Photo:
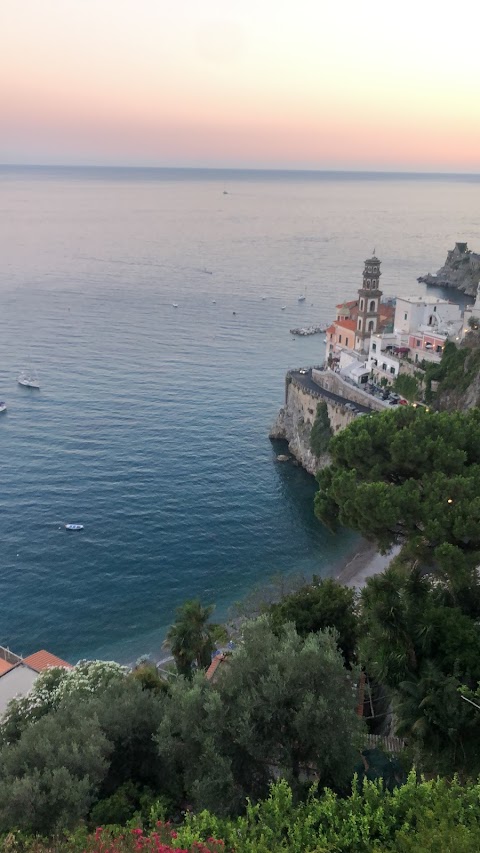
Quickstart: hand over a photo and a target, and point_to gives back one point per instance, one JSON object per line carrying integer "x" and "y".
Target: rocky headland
{"x": 461, "y": 271}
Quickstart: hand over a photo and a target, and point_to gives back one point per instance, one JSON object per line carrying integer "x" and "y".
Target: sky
{"x": 298, "y": 84}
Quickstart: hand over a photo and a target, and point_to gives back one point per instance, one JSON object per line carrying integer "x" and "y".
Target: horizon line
{"x": 302, "y": 170}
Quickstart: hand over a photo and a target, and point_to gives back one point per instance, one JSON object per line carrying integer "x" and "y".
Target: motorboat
{"x": 283, "y": 307}
{"x": 74, "y": 527}
{"x": 28, "y": 380}
{"x": 3, "y": 406}
{"x": 174, "y": 304}
{"x": 302, "y": 298}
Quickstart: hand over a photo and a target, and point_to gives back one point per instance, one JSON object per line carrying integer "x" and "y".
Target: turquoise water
{"x": 151, "y": 425}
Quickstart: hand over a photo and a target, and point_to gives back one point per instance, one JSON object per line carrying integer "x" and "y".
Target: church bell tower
{"x": 369, "y": 296}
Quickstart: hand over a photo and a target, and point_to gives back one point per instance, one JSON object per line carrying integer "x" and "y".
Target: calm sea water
{"x": 151, "y": 425}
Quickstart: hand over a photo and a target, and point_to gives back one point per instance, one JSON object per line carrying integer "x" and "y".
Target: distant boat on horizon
{"x": 3, "y": 406}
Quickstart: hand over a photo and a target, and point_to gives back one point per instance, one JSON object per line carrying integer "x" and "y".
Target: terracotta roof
{"x": 5, "y": 666}
{"x": 330, "y": 329}
{"x": 346, "y": 324}
{"x": 347, "y": 304}
{"x": 217, "y": 660}
{"x": 43, "y": 660}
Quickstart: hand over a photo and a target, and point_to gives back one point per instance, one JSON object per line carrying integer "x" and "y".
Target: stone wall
{"x": 333, "y": 382}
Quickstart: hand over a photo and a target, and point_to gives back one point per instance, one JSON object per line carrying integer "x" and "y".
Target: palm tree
{"x": 191, "y": 638}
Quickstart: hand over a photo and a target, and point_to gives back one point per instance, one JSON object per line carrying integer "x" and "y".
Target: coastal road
{"x": 305, "y": 381}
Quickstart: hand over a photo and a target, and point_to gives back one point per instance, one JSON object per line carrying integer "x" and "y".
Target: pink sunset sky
{"x": 259, "y": 83}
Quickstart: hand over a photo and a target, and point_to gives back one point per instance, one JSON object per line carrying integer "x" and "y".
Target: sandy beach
{"x": 363, "y": 563}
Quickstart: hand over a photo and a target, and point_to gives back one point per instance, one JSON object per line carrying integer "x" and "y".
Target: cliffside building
{"x": 349, "y": 335}
{"x": 370, "y": 337}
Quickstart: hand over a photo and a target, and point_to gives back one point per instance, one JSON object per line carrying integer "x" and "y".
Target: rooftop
{"x": 43, "y": 660}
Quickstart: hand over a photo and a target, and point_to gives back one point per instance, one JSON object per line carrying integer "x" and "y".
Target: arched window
{"x": 359, "y": 324}
{"x": 361, "y": 305}
{"x": 374, "y": 347}
{"x": 368, "y": 282}
{"x": 375, "y": 269}
{"x": 372, "y": 306}
{"x": 371, "y": 325}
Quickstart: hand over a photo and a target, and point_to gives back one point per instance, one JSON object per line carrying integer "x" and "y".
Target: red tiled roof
{"x": 350, "y": 304}
{"x": 330, "y": 329}
{"x": 5, "y": 666}
{"x": 346, "y": 324}
{"x": 43, "y": 660}
{"x": 218, "y": 659}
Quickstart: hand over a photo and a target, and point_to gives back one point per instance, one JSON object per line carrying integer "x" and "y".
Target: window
{"x": 374, "y": 347}
{"x": 384, "y": 366}
{"x": 375, "y": 269}
{"x": 346, "y": 342}
{"x": 359, "y": 325}
{"x": 439, "y": 349}
{"x": 361, "y": 305}
{"x": 372, "y": 305}
{"x": 339, "y": 339}
{"x": 369, "y": 269}
{"x": 392, "y": 370}
{"x": 368, "y": 282}
{"x": 405, "y": 316}
{"x": 418, "y": 343}
{"x": 435, "y": 308}
{"x": 371, "y": 326}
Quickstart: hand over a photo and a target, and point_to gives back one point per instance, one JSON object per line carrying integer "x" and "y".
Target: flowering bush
{"x": 160, "y": 841}
{"x": 51, "y": 687}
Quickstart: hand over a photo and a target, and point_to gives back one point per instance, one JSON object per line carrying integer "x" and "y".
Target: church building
{"x": 358, "y": 319}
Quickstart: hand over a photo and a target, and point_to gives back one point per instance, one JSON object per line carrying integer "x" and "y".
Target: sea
{"x": 155, "y": 307}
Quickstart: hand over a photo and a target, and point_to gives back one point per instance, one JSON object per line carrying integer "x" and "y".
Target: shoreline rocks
{"x": 461, "y": 271}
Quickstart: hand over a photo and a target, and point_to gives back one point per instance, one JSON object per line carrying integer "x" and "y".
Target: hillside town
{"x": 380, "y": 340}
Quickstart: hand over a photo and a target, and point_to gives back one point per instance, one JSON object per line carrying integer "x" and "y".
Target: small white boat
{"x": 28, "y": 380}
{"x": 302, "y": 298}
{"x": 3, "y": 406}
{"x": 283, "y": 307}
{"x": 174, "y": 304}
{"x": 74, "y": 527}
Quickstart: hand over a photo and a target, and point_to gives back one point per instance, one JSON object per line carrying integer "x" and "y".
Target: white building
{"x": 426, "y": 313}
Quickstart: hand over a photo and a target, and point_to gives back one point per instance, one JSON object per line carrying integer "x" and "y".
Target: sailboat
{"x": 28, "y": 379}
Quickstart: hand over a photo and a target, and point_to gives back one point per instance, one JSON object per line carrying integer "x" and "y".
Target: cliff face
{"x": 295, "y": 421}
{"x": 459, "y": 376}
{"x": 461, "y": 271}
{"x": 291, "y": 426}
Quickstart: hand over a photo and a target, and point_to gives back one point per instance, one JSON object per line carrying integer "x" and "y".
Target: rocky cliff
{"x": 458, "y": 375}
{"x": 290, "y": 426}
{"x": 461, "y": 271}
{"x": 296, "y": 418}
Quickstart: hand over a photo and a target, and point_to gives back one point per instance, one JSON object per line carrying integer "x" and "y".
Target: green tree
{"x": 191, "y": 637}
{"x": 321, "y": 431}
{"x": 283, "y": 705}
{"x": 321, "y": 604}
{"x": 404, "y": 475}
{"x": 407, "y": 386}
{"x": 424, "y": 650}
{"x": 50, "y": 778}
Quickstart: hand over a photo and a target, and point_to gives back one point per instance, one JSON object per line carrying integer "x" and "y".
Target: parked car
{"x": 303, "y": 370}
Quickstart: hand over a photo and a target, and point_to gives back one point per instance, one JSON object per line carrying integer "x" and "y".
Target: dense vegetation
{"x": 458, "y": 368}
{"x": 321, "y": 431}
{"x": 407, "y": 476}
{"x": 420, "y": 817}
{"x": 407, "y": 386}
{"x": 98, "y": 744}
